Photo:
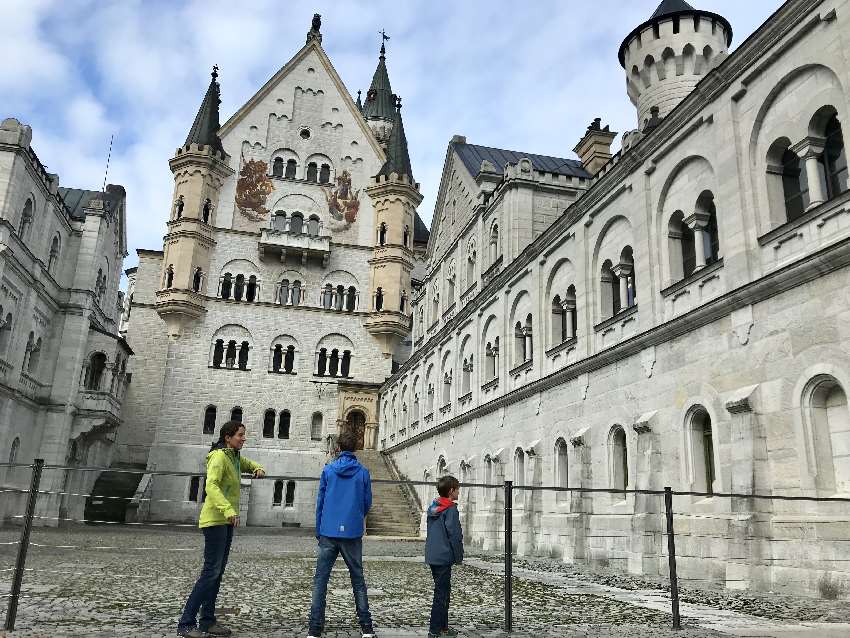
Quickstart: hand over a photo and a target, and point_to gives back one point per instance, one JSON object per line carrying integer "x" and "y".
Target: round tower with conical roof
{"x": 666, "y": 56}
{"x": 379, "y": 107}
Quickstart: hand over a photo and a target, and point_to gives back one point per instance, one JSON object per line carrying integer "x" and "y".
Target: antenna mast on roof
{"x": 108, "y": 157}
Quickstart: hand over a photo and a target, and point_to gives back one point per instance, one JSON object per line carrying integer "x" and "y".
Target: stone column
{"x": 345, "y": 299}
{"x": 569, "y": 308}
{"x": 810, "y": 149}
{"x": 622, "y": 272}
{"x": 529, "y": 344}
{"x": 698, "y": 223}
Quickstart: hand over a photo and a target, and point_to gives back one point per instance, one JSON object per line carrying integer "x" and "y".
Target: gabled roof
{"x": 204, "y": 131}
{"x": 472, "y": 155}
{"x": 398, "y": 157}
{"x": 77, "y": 199}
{"x": 380, "y": 101}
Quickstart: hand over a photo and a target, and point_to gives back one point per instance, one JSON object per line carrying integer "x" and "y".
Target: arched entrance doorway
{"x": 356, "y": 422}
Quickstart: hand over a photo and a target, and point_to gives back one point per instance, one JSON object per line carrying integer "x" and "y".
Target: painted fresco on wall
{"x": 252, "y": 189}
{"x": 343, "y": 203}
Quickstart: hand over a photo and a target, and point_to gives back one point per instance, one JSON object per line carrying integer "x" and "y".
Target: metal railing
{"x": 38, "y": 467}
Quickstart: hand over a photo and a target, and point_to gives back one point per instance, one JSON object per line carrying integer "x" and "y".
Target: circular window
{"x": 305, "y": 134}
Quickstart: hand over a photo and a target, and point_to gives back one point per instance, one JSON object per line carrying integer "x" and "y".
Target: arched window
{"x": 236, "y": 414}
{"x": 313, "y": 226}
{"x": 26, "y": 219}
{"x": 209, "y": 420}
{"x": 277, "y": 167}
{"x": 283, "y": 424}
{"x": 243, "y": 355}
{"x": 491, "y": 352}
{"x": 296, "y": 223}
{"x": 290, "y": 494}
{"x": 405, "y": 237}
{"x": 5, "y": 333}
{"x": 94, "y": 374}
{"x": 325, "y": 174}
{"x": 230, "y": 355}
{"x": 178, "y": 207}
{"x": 333, "y": 365}
{"x": 519, "y": 344}
{"x": 289, "y": 359}
{"x": 239, "y": 288}
{"x": 34, "y": 358}
{"x": 609, "y": 289}
{"x": 194, "y": 488}
{"x": 268, "y": 424}
{"x": 379, "y": 299}
{"x": 429, "y": 399}
{"x": 251, "y": 290}
{"x": 402, "y": 304}
{"x": 277, "y": 358}
{"x": 351, "y": 301}
{"x": 296, "y": 292}
{"x": 559, "y": 321}
{"x": 571, "y": 311}
{"x": 226, "y": 285}
{"x": 218, "y": 353}
{"x": 382, "y": 234}
{"x": 277, "y": 499}
{"x": 13, "y": 452}
{"x": 345, "y": 366}
{"x": 702, "y": 451}
{"x": 316, "y": 425}
{"x": 442, "y": 467}
{"x": 291, "y": 168}
{"x": 283, "y": 292}
{"x": 619, "y": 460}
{"x": 312, "y": 170}
{"x": 562, "y": 478}
{"x": 340, "y": 294}
{"x": 196, "y": 280}
{"x": 279, "y": 221}
{"x": 169, "y": 277}
{"x": 466, "y": 378}
{"x": 53, "y": 258}
{"x": 470, "y": 268}
{"x": 834, "y": 159}
{"x": 795, "y": 185}
{"x": 447, "y": 388}
{"x": 494, "y": 243}
{"x": 828, "y": 419}
{"x": 625, "y": 271}
{"x": 328, "y": 297}
{"x": 683, "y": 260}
{"x": 322, "y": 362}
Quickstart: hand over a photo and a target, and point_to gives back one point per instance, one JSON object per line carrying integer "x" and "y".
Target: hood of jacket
{"x": 346, "y": 465}
{"x": 439, "y": 505}
{"x": 229, "y": 452}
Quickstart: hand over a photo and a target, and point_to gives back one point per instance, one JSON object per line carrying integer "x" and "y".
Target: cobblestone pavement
{"x": 132, "y": 581}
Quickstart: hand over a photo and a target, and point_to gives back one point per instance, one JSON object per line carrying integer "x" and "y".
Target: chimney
{"x": 594, "y": 149}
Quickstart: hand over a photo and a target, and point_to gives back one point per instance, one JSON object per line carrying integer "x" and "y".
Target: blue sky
{"x": 527, "y": 77}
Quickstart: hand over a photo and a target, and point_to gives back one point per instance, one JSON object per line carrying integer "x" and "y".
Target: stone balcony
{"x": 33, "y": 389}
{"x": 97, "y": 402}
{"x": 280, "y": 243}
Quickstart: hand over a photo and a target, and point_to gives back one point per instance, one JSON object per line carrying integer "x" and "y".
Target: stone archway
{"x": 356, "y": 422}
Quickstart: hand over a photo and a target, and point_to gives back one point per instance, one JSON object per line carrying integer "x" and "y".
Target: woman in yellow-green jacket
{"x": 219, "y": 516}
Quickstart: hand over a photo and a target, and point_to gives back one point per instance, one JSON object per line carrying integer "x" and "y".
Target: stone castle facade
{"x": 63, "y": 365}
{"x": 672, "y": 315}
{"x": 281, "y": 296}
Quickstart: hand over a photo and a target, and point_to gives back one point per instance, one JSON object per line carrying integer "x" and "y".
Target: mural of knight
{"x": 280, "y": 296}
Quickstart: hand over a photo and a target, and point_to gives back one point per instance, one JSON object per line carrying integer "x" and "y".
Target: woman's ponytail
{"x": 228, "y": 429}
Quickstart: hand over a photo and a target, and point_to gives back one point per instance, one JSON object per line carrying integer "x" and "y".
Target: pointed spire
{"x": 669, "y": 7}
{"x": 204, "y": 130}
{"x": 398, "y": 157}
{"x": 380, "y": 102}
{"x": 359, "y": 102}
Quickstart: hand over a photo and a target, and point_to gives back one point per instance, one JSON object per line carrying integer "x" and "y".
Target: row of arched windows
{"x": 94, "y": 371}
{"x": 340, "y": 298}
{"x": 275, "y": 425}
{"x": 333, "y": 363}
{"x": 296, "y": 224}
{"x": 383, "y": 237}
{"x": 230, "y": 354}
{"x": 289, "y": 170}
{"x": 239, "y": 288}
{"x": 206, "y": 209}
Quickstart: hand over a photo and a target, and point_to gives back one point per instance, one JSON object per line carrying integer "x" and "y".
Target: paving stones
{"x": 105, "y": 585}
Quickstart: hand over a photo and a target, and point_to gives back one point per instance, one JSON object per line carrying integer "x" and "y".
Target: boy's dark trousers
{"x": 442, "y": 594}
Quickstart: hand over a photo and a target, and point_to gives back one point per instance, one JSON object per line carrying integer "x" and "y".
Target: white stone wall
{"x": 744, "y": 340}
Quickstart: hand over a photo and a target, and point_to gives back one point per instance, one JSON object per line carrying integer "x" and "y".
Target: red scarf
{"x": 443, "y": 504}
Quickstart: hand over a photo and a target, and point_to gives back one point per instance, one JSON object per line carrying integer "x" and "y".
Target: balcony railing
{"x": 283, "y": 242}
{"x": 33, "y": 389}
{"x": 99, "y": 401}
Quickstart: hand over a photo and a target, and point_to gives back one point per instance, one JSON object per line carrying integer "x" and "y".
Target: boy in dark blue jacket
{"x": 443, "y": 548}
{"x": 344, "y": 499}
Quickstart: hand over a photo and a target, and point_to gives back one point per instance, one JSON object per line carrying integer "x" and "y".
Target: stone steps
{"x": 390, "y": 514}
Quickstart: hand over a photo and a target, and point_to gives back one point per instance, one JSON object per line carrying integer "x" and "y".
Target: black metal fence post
{"x": 671, "y": 557}
{"x": 20, "y": 563}
{"x": 509, "y": 555}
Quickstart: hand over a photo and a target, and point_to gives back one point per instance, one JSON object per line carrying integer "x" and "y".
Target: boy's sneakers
{"x": 445, "y": 633}
{"x": 191, "y": 632}
{"x": 218, "y": 630}
{"x": 369, "y": 633}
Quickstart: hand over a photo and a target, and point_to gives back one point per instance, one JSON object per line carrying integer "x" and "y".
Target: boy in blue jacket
{"x": 443, "y": 548}
{"x": 344, "y": 499}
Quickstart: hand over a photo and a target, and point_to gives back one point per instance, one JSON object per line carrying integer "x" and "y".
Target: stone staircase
{"x": 395, "y": 511}
{"x": 120, "y": 486}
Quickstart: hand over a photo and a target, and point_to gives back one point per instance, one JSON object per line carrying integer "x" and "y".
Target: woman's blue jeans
{"x": 217, "y": 540}
{"x": 352, "y": 553}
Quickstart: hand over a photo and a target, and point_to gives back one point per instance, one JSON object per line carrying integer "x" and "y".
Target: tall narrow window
{"x": 268, "y": 424}
{"x": 402, "y": 305}
{"x": 345, "y": 366}
{"x": 835, "y": 159}
{"x": 296, "y": 223}
{"x": 340, "y": 294}
{"x": 279, "y": 221}
{"x": 169, "y": 277}
{"x": 291, "y": 168}
{"x": 209, "y": 420}
{"x": 316, "y": 424}
{"x": 333, "y": 366}
{"x": 277, "y": 167}
{"x": 97, "y": 366}
{"x": 351, "y": 301}
{"x": 53, "y": 258}
{"x": 236, "y": 414}
{"x": 226, "y": 285}
{"x": 178, "y": 207}
{"x": 702, "y": 451}
{"x": 230, "y": 355}
{"x": 290, "y": 494}
{"x": 6, "y": 333}
{"x": 218, "y": 353}
{"x": 322, "y": 362}
{"x": 289, "y": 359}
{"x": 194, "y": 488}
{"x": 313, "y": 226}
{"x": 283, "y": 425}
{"x": 559, "y": 321}
{"x": 243, "y": 355}
{"x": 312, "y": 171}
{"x": 379, "y": 300}
{"x": 35, "y": 357}
{"x": 283, "y": 292}
{"x": 325, "y": 174}
{"x": 205, "y": 212}
{"x": 277, "y": 498}
{"x": 251, "y": 290}
{"x": 794, "y": 185}
{"x": 196, "y": 280}
{"x": 405, "y": 238}
{"x": 26, "y": 219}
{"x": 619, "y": 460}
{"x": 382, "y": 234}
{"x": 571, "y": 312}
{"x": 277, "y": 358}
{"x": 296, "y": 292}
{"x": 239, "y": 288}
{"x": 519, "y": 467}
{"x": 447, "y": 388}
{"x": 562, "y": 478}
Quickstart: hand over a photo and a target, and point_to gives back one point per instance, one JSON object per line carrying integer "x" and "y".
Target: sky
{"x": 523, "y": 76}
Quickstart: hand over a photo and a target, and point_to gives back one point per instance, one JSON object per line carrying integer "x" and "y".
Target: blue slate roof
{"x": 472, "y": 155}
{"x": 76, "y": 199}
